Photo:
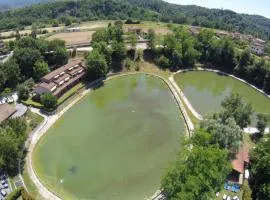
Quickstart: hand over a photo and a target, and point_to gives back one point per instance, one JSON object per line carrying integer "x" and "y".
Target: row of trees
{"x": 31, "y": 60}
{"x": 204, "y": 163}
{"x": 65, "y": 12}
{"x": 109, "y": 51}
{"x": 12, "y": 137}
{"x": 181, "y": 49}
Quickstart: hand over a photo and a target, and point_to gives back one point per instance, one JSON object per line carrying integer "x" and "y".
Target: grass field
{"x": 116, "y": 143}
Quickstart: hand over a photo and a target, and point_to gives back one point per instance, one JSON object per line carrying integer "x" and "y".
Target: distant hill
{"x": 155, "y": 10}
{"x": 9, "y": 4}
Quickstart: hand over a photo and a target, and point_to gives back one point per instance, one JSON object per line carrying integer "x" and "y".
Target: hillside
{"x": 8, "y": 4}
{"x": 137, "y": 9}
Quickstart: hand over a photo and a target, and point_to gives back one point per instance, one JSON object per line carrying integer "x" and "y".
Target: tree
{"x": 56, "y": 43}
{"x": 261, "y": 123}
{"x": 41, "y": 68}
{"x": 197, "y": 174}
{"x": 151, "y": 44}
{"x": 247, "y": 193}
{"x": 119, "y": 51}
{"x": 260, "y": 171}
{"x": 266, "y": 84}
{"x": 101, "y": 36}
{"x": 96, "y": 65}
{"x": 60, "y": 56}
{"x": 49, "y": 101}
{"x": 245, "y": 58}
{"x": 26, "y": 58}
{"x": 237, "y": 108}
{"x": 12, "y": 73}
{"x": 103, "y": 48}
{"x": 226, "y": 134}
{"x": 12, "y": 139}
{"x": 23, "y": 92}
{"x": 163, "y": 62}
{"x": 133, "y": 40}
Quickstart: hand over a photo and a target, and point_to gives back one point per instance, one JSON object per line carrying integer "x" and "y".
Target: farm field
{"x": 116, "y": 143}
{"x": 72, "y": 38}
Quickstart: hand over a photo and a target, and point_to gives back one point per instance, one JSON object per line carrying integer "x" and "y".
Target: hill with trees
{"x": 155, "y": 10}
{"x": 9, "y": 4}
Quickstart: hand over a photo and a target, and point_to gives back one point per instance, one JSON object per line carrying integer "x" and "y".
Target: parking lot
{"x": 5, "y": 187}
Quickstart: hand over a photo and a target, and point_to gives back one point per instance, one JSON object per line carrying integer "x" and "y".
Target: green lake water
{"x": 206, "y": 91}
{"x": 115, "y": 143}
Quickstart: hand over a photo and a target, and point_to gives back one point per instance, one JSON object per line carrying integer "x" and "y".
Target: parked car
{"x": 3, "y": 181}
{"x": 5, "y": 186}
{"x": 3, "y": 193}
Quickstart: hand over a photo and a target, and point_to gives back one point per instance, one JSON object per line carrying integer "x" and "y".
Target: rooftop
{"x": 56, "y": 72}
{"x": 239, "y": 162}
{"x": 6, "y": 111}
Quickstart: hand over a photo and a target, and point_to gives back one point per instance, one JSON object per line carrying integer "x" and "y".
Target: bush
{"x": 128, "y": 63}
{"x": 49, "y": 101}
{"x": 163, "y": 62}
{"x": 15, "y": 194}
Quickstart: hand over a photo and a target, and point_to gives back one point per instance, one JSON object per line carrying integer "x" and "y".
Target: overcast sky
{"x": 260, "y": 7}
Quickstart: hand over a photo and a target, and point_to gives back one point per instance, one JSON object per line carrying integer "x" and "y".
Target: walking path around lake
{"x": 36, "y": 135}
{"x": 249, "y": 130}
{"x": 186, "y": 101}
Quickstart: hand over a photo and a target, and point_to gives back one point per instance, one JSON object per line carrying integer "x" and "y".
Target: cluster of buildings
{"x": 62, "y": 79}
{"x": 257, "y": 46}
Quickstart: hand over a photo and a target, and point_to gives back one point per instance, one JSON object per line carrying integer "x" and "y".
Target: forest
{"x": 154, "y": 10}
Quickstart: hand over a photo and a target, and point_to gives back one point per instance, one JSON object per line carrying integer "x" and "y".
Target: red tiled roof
{"x": 239, "y": 162}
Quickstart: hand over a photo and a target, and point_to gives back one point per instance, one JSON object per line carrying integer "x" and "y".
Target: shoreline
{"x": 49, "y": 121}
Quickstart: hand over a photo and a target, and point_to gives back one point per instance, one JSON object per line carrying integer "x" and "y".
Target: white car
{"x": 3, "y": 182}
{"x": 5, "y": 186}
{"x": 10, "y": 100}
{"x": 3, "y": 193}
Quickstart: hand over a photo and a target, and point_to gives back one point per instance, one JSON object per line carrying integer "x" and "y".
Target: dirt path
{"x": 188, "y": 104}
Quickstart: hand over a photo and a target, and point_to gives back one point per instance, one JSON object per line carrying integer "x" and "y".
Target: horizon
{"x": 250, "y": 7}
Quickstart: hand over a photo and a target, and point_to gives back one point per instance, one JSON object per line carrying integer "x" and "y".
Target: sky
{"x": 260, "y": 7}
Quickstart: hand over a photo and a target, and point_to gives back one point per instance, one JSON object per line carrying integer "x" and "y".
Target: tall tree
{"x": 234, "y": 106}
{"x": 197, "y": 174}
{"x": 49, "y": 101}
{"x": 260, "y": 170}
{"x": 41, "y": 68}
{"x": 151, "y": 44}
{"x": 12, "y": 73}
{"x": 96, "y": 65}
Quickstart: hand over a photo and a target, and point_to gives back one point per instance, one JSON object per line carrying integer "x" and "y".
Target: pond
{"x": 115, "y": 143}
{"x": 206, "y": 90}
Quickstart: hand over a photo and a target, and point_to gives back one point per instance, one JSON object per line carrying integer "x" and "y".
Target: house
{"x": 239, "y": 164}
{"x": 6, "y": 111}
{"x": 134, "y": 30}
{"x": 195, "y": 30}
{"x": 62, "y": 79}
{"x": 258, "y": 46}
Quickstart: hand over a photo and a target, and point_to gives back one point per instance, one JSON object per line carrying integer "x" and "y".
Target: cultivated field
{"x": 159, "y": 28}
{"x": 72, "y": 38}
